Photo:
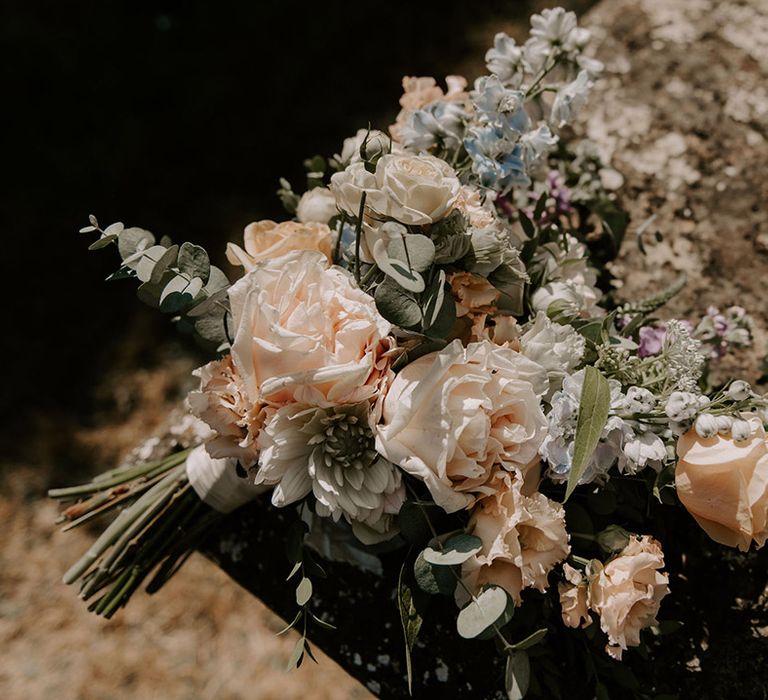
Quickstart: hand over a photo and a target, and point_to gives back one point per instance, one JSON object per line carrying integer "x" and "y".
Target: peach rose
{"x": 266, "y": 240}
{"x": 453, "y": 416}
{"x": 304, "y": 332}
{"x": 523, "y": 538}
{"x": 627, "y": 593}
{"x": 473, "y": 293}
{"x": 222, "y": 403}
{"x": 573, "y": 598}
{"x": 724, "y": 485}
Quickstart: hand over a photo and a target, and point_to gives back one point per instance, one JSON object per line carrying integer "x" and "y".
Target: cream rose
{"x": 304, "y": 332}
{"x": 414, "y": 190}
{"x": 724, "y": 485}
{"x": 627, "y": 592}
{"x": 453, "y": 416}
{"x": 523, "y": 538}
{"x": 317, "y": 205}
{"x": 573, "y": 598}
{"x": 267, "y": 240}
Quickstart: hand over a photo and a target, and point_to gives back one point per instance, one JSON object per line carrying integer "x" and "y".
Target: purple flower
{"x": 651, "y": 340}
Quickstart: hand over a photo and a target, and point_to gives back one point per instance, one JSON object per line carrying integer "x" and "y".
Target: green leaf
{"x": 411, "y": 621}
{"x": 399, "y": 273}
{"x": 456, "y": 550}
{"x": 296, "y": 656}
{"x": 439, "y": 312}
{"x": 517, "y": 675}
{"x": 166, "y": 261}
{"x": 435, "y": 580}
{"x": 145, "y": 265}
{"x": 131, "y": 240}
{"x": 412, "y": 521}
{"x": 217, "y": 280}
{"x": 528, "y": 228}
{"x": 295, "y": 568}
{"x": 594, "y": 406}
{"x": 601, "y": 692}
{"x": 179, "y": 293}
{"x": 193, "y": 261}
{"x": 530, "y": 640}
{"x": 415, "y": 250}
{"x": 303, "y": 591}
{"x": 482, "y": 612}
{"x": 396, "y": 305}
{"x": 613, "y": 539}
{"x": 102, "y": 242}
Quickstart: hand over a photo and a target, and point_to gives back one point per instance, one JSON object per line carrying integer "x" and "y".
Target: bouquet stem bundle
{"x": 160, "y": 518}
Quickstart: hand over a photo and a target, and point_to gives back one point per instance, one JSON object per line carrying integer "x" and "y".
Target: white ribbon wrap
{"x": 216, "y": 482}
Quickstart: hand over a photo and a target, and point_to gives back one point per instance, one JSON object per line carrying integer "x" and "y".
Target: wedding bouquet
{"x": 427, "y": 354}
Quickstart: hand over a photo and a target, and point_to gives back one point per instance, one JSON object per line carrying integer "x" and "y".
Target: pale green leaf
{"x": 411, "y": 621}
{"x": 482, "y": 612}
{"x": 594, "y": 406}
{"x": 456, "y": 550}
{"x": 517, "y": 675}
{"x": 303, "y": 591}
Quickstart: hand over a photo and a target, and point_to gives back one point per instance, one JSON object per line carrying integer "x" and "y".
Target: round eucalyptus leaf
{"x": 303, "y": 591}
{"x": 193, "y": 261}
{"x": 132, "y": 240}
{"x": 482, "y": 612}
{"x": 413, "y": 249}
{"x": 145, "y": 265}
{"x": 434, "y": 579}
{"x": 455, "y": 550}
{"x": 396, "y": 305}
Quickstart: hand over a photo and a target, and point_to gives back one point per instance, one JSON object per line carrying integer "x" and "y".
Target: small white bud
{"x": 724, "y": 424}
{"x": 741, "y": 430}
{"x": 682, "y": 406}
{"x": 739, "y": 390}
{"x": 706, "y": 425}
{"x": 679, "y": 428}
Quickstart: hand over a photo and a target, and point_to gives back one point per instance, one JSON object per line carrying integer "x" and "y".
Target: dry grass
{"x": 201, "y": 637}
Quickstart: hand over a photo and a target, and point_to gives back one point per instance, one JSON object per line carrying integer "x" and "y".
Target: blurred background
{"x": 178, "y": 117}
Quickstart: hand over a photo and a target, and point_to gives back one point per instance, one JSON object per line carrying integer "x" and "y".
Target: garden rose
{"x": 627, "y": 592}
{"x": 304, "y": 332}
{"x": 414, "y": 190}
{"x": 453, "y": 416}
{"x": 523, "y": 538}
{"x": 222, "y": 403}
{"x": 573, "y": 598}
{"x": 724, "y": 485}
{"x": 267, "y": 240}
{"x": 317, "y": 205}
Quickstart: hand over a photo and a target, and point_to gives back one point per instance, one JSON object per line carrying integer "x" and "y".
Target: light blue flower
{"x": 438, "y": 123}
{"x": 496, "y": 104}
{"x": 505, "y": 60}
{"x": 497, "y": 161}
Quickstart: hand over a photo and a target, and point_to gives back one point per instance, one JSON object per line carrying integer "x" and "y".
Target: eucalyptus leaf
{"x": 296, "y": 655}
{"x": 482, "y": 612}
{"x": 433, "y": 579}
{"x": 530, "y": 640}
{"x": 517, "y": 675}
{"x": 193, "y": 261}
{"x": 179, "y": 293}
{"x": 217, "y": 280}
{"x": 414, "y": 250}
{"x": 455, "y": 550}
{"x": 145, "y": 265}
{"x": 396, "y": 305}
{"x": 411, "y": 622}
{"x": 102, "y": 242}
{"x": 303, "y": 591}
{"x": 594, "y": 406}
{"x": 399, "y": 272}
{"x": 132, "y": 240}
{"x": 166, "y": 261}
{"x": 211, "y": 328}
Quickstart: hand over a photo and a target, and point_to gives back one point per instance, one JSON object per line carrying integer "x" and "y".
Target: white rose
{"x": 376, "y": 143}
{"x": 317, "y": 205}
{"x": 414, "y": 190}
{"x": 453, "y": 418}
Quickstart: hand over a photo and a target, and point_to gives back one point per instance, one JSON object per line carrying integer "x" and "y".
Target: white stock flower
{"x": 330, "y": 453}
{"x": 317, "y": 205}
{"x": 557, "y": 447}
{"x": 414, "y": 190}
{"x": 557, "y": 348}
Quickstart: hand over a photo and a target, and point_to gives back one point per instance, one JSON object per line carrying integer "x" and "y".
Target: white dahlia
{"x": 330, "y": 452}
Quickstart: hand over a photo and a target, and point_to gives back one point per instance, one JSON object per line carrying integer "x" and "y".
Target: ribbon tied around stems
{"x": 216, "y": 482}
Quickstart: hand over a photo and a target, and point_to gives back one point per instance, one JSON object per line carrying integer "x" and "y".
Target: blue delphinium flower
{"x": 496, "y": 160}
